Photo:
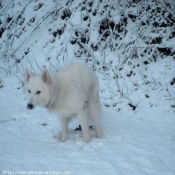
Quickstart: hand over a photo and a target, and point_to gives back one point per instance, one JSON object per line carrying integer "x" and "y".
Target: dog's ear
{"x": 28, "y": 74}
{"x": 45, "y": 76}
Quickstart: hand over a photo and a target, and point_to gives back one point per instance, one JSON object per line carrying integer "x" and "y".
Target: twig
{"x": 19, "y": 14}
{"x": 20, "y": 71}
{"x": 173, "y": 98}
{"x": 16, "y": 75}
{"x": 36, "y": 62}
{"x": 39, "y": 23}
{"x": 15, "y": 50}
{"x": 4, "y": 8}
{"x": 23, "y": 69}
{"x": 5, "y": 69}
{"x": 168, "y": 90}
{"x": 10, "y": 71}
{"x": 31, "y": 64}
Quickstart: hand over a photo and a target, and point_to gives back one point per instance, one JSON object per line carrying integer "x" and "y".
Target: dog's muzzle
{"x": 30, "y": 106}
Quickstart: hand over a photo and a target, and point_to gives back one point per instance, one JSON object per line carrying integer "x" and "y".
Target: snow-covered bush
{"x": 120, "y": 39}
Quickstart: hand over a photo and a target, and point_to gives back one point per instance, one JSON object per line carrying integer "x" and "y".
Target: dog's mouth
{"x": 30, "y": 106}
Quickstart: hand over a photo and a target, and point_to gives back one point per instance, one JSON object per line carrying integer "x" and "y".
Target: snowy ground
{"x": 140, "y": 143}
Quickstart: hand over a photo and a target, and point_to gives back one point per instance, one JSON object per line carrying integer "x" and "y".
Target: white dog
{"x": 71, "y": 92}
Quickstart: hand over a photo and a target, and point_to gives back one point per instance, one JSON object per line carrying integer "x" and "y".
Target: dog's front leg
{"x": 64, "y": 125}
{"x": 82, "y": 116}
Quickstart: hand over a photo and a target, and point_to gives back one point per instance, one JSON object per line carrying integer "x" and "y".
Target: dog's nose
{"x": 30, "y": 106}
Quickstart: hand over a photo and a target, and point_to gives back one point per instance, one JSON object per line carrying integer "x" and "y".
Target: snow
{"x": 137, "y": 88}
{"x": 140, "y": 143}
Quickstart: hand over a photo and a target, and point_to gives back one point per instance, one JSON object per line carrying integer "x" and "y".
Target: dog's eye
{"x": 38, "y": 92}
{"x": 28, "y": 91}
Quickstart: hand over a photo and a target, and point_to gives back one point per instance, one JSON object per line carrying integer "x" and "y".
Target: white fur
{"x": 71, "y": 92}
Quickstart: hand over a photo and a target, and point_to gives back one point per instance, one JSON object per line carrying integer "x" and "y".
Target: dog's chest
{"x": 63, "y": 110}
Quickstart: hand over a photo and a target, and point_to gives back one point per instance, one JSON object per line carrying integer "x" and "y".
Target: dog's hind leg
{"x": 82, "y": 116}
{"x": 94, "y": 111}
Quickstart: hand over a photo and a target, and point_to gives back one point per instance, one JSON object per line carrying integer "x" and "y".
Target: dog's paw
{"x": 57, "y": 136}
{"x": 100, "y": 135}
{"x": 61, "y": 137}
{"x": 87, "y": 139}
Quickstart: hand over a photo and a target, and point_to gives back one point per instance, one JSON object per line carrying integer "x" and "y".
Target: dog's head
{"x": 37, "y": 90}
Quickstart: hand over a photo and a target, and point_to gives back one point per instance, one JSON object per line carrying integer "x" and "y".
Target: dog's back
{"x": 79, "y": 84}
{"x": 82, "y": 76}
